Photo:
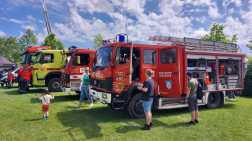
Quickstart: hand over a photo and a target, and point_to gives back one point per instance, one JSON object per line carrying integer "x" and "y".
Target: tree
{"x": 11, "y": 49}
{"x": 53, "y": 42}
{"x": 249, "y": 46}
{"x": 97, "y": 41}
{"x": 28, "y": 39}
{"x": 217, "y": 34}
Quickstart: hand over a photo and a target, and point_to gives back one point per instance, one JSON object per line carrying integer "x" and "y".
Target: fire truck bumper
{"x": 102, "y": 97}
{"x": 64, "y": 89}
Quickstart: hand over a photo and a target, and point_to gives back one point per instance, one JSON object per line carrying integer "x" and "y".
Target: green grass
{"x": 21, "y": 120}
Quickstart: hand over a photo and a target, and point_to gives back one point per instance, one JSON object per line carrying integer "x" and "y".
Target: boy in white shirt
{"x": 45, "y": 102}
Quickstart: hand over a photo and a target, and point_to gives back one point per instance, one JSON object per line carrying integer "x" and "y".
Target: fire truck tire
{"x": 135, "y": 107}
{"x": 54, "y": 85}
{"x": 214, "y": 100}
{"x": 79, "y": 93}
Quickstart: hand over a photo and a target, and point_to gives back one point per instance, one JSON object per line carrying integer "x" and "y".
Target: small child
{"x": 45, "y": 102}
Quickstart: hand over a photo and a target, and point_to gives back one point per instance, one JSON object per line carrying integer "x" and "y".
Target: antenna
{"x": 48, "y": 26}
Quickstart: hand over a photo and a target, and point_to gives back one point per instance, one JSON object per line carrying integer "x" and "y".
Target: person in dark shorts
{"x": 20, "y": 73}
{"x": 25, "y": 80}
{"x": 191, "y": 97}
{"x": 147, "y": 98}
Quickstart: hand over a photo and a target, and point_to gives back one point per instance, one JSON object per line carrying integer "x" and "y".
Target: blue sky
{"x": 76, "y": 22}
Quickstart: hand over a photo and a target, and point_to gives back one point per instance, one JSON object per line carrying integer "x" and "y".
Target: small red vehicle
{"x": 114, "y": 79}
{"x": 72, "y": 71}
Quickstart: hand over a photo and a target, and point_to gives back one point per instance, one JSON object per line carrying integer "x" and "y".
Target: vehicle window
{"x": 82, "y": 59}
{"x": 49, "y": 58}
{"x": 101, "y": 57}
{"x": 122, "y": 55}
{"x": 33, "y": 58}
{"x": 149, "y": 56}
{"x": 168, "y": 56}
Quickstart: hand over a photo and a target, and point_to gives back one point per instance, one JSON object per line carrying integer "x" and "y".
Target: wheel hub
{"x": 56, "y": 85}
{"x": 139, "y": 107}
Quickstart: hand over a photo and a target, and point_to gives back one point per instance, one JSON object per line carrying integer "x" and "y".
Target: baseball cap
{"x": 189, "y": 73}
{"x": 46, "y": 91}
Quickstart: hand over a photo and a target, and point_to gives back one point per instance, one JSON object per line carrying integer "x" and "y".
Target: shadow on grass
{"x": 33, "y": 119}
{"x": 14, "y": 91}
{"x": 88, "y": 120}
{"x": 60, "y": 98}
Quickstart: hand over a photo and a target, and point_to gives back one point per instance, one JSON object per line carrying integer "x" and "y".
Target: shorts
{"x": 45, "y": 107}
{"x": 147, "y": 106}
{"x": 192, "y": 103}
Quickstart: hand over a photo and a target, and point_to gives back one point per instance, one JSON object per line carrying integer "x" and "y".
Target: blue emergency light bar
{"x": 121, "y": 37}
{"x": 104, "y": 42}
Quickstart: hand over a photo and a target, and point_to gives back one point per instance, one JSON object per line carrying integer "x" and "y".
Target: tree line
{"x": 11, "y": 48}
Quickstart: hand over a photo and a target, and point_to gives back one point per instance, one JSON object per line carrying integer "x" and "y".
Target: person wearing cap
{"x": 191, "y": 97}
{"x": 46, "y": 103}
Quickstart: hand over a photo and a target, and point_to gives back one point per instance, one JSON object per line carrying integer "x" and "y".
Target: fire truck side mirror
{"x": 110, "y": 56}
{"x": 41, "y": 61}
{"x": 74, "y": 60}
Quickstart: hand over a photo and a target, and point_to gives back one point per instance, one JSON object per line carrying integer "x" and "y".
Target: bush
{"x": 248, "y": 79}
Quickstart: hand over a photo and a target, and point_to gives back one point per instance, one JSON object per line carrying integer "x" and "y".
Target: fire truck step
{"x": 175, "y": 105}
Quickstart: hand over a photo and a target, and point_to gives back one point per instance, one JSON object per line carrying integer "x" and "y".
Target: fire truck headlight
{"x": 104, "y": 96}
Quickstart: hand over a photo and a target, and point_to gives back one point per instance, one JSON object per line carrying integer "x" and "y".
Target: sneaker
{"x": 43, "y": 118}
{"x": 77, "y": 106}
{"x": 191, "y": 122}
{"x": 196, "y": 121}
{"x": 91, "y": 105}
{"x": 47, "y": 117}
{"x": 150, "y": 124}
{"x": 146, "y": 127}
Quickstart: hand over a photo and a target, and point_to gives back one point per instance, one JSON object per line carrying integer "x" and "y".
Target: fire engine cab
{"x": 73, "y": 69}
{"x": 29, "y": 55}
{"x": 120, "y": 67}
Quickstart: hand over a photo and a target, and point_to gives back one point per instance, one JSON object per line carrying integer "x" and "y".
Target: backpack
{"x": 199, "y": 91}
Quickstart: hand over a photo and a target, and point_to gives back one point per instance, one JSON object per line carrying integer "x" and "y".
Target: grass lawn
{"x": 21, "y": 120}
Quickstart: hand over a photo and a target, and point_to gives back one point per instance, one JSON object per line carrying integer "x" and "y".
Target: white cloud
{"x": 199, "y": 2}
{"x": 2, "y": 33}
{"x": 213, "y": 12}
{"x": 16, "y": 21}
{"x": 29, "y": 27}
{"x": 199, "y": 33}
{"x": 231, "y": 11}
{"x": 225, "y": 3}
{"x": 41, "y": 36}
{"x": 41, "y": 21}
{"x": 21, "y": 34}
{"x": 31, "y": 18}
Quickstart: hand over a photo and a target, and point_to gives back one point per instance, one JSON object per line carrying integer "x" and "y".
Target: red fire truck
{"x": 29, "y": 55}
{"x": 72, "y": 71}
{"x": 114, "y": 77}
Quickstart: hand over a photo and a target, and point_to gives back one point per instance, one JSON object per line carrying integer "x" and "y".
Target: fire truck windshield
{"x": 67, "y": 61}
{"x": 36, "y": 60}
{"x": 24, "y": 58}
{"x": 101, "y": 59}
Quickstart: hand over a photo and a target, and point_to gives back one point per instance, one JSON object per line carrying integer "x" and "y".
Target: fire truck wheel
{"x": 214, "y": 100}
{"x": 54, "y": 85}
{"x": 135, "y": 107}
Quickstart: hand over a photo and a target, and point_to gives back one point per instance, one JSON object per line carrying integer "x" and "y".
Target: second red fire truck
{"x": 120, "y": 67}
{"x": 72, "y": 71}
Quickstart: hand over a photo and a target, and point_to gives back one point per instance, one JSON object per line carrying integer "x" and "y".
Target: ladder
{"x": 198, "y": 45}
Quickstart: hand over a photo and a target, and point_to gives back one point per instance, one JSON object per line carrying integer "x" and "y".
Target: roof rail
{"x": 199, "y": 45}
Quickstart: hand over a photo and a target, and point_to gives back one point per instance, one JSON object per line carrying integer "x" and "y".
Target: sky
{"x": 76, "y": 22}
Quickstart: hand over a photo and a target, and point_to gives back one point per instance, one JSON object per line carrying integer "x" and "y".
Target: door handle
{"x": 127, "y": 74}
{"x": 175, "y": 73}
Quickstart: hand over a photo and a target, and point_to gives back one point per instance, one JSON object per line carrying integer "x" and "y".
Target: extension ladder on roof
{"x": 197, "y": 44}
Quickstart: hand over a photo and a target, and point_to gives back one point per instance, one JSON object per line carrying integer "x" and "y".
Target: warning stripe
{"x": 35, "y": 68}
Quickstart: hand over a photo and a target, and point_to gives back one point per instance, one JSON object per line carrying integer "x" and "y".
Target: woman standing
{"x": 85, "y": 89}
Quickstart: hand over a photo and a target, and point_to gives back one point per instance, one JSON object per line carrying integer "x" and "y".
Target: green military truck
{"x": 47, "y": 69}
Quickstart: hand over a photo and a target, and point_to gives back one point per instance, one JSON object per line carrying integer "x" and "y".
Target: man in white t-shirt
{"x": 45, "y": 103}
{"x": 245, "y": 63}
